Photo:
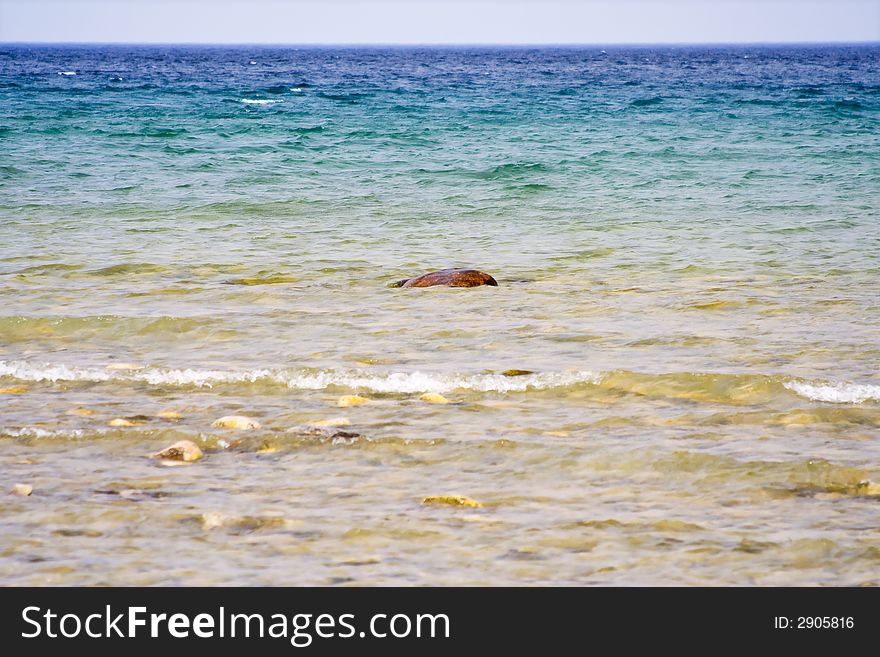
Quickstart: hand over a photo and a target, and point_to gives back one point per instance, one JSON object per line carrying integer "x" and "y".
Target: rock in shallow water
{"x": 22, "y": 490}
{"x": 84, "y": 412}
{"x": 236, "y": 422}
{"x": 331, "y": 422}
{"x": 450, "y": 278}
{"x": 323, "y": 432}
{"x": 184, "y": 450}
{"x": 451, "y": 500}
{"x": 351, "y": 400}
{"x": 434, "y": 398}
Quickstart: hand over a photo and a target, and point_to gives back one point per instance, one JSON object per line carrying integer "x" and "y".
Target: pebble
{"x": 212, "y": 520}
{"x": 351, "y": 400}
{"x": 434, "y": 398}
{"x": 80, "y": 411}
{"x": 184, "y": 450}
{"x": 22, "y": 490}
{"x": 236, "y": 422}
{"x": 121, "y": 422}
{"x": 451, "y": 500}
{"x": 331, "y": 422}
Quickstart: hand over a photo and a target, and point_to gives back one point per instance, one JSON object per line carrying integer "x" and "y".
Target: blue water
{"x": 623, "y": 131}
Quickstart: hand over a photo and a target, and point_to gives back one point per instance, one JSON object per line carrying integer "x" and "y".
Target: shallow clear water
{"x": 685, "y": 241}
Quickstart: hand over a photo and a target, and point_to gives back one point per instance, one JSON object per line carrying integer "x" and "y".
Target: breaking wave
{"x": 706, "y": 387}
{"x": 302, "y": 379}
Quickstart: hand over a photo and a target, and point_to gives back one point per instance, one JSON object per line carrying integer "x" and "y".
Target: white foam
{"x": 200, "y": 378}
{"x": 37, "y": 432}
{"x": 296, "y": 89}
{"x": 387, "y": 382}
{"x": 420, "y": 382}
{"x": 259, "y": 101}
{"x": 838, "y": 393}
{"x": 66, "y": 72}
{"x": 48, "y": 372}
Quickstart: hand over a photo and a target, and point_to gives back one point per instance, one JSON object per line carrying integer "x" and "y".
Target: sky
{"x": 439, "y": 21}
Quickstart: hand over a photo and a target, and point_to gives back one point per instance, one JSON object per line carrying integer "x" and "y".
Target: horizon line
{"x": 439, "y": 44}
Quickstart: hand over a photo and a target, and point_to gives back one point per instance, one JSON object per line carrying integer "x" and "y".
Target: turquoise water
{"x": 685, "y": 241}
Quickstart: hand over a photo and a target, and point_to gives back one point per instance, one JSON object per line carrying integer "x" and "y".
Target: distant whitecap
{"x": 258, "y": 101}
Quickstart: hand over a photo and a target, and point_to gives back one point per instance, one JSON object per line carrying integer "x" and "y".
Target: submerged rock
{"x": 451, "y": 500}
{"x": 516, "y": 372}
{"x": 272, "y": 279}
{"x": 868, "y": 488}
{"x": 331, "y": 422}
{"x": 839, "y": 490}
{"x": 125, "y": 367}
{"x": 450, "y": 278}
{"x": 322, "y": 432}
{"x": 121, "y": 422}
{"x": 239, "y": 524}
{"x": 169, "y": 415}
{"x": 434, "y": 398}
{"x": 12, "y": 391}
{"x": 351, "y": 400}
{"x": 183, "y": 450}
{"x": 236, "y": 422}
{"x": 22, "y": 490}
{"x": 84, "y": 412}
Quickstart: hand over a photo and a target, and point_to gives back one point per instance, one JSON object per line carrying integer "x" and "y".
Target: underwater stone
{"x": 183, "y": 450}
{"x": 236, "y": 422}
{"x": 22, "y": 490}
{"x": 434, "y": 398}
{"x": 80, "y": 411}
{"x": 450, "y": 278}
{"x": 331, "y": 422}
{"x": 451, "y": 500}
{"x": 352, "y": 400}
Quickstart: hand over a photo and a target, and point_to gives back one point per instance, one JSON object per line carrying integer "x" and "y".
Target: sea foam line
{"x": 838, "y": 393}
{"x": 381, "y": 382}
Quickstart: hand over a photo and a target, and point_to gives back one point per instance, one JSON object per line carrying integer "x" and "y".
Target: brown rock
{"x": 516, "y": 372}
{"x": 449, "y": 277}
